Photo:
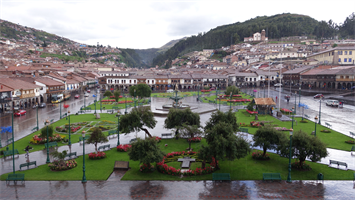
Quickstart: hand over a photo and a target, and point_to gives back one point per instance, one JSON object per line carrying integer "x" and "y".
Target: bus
{"x": 57, "y": 98}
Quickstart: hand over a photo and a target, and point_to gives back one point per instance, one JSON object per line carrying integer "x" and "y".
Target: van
{"x": 332, "y": 103}
{"x": 170, "y": 91}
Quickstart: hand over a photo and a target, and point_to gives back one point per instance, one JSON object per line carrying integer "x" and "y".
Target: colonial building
{"x": 257, "y": 37}
{"x": 336, "y": 56}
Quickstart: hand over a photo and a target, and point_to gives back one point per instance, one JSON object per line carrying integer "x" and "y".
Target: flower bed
{"x": 255, "y": 124}
{"x": 325, "y": 131}
{"x": 112, "y": 97}
{"x": 36, "y": 139}
{"x": 156, "y": 138}
{"x": 62, "y": 165}
{"x": 145, "y": 168}
{"x": 238, "y": 100}
{"x": 259, "y": 156}
{"x": 285, "y": 110}
{"x": 170, "y": 157}
{"x": 303, "y": 167}
{"x": 106, "y": 122}
{"x": 252, "y": 112}
{"x": 282, "y": 129}
{"x": 195, "y": 139}
{"x": 123, "y": 147}
{"x": 108, "y": 100}
{"x": 124, "y": 101}
{"x": 98, "y": 155}
{"x": 350, "y": 142}
{"x": 205, "y": 90}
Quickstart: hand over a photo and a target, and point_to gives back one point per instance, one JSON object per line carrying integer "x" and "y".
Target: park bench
{"x": 328, "y": 125}
{"x": 28, "y": 164}
{"x": 244, "y": 130}
{"x": 271, "y": 176}
{"x": 352, "y": 134}
{"x": 133, "y": 140}
{"x": 112, "y": 132}
{"x": 352, "y": 149}
{"x": 338, "y": 163}
{"x": 306, "y": 116}
{"x": 221, "y": 177}
{"x": 9, "y": 152}
{"x": 34, "y": 129}
{"x": 81, "y": 138}
{"x": 81, "y": 112}
{"x": 71, "y": 154}
{"x": 15, "y": 178}
{"x": 104, "y": 147}
{"x": 9, "y": 141}
{"x": 166, "y": 135}
{"x": 50, "y": 144}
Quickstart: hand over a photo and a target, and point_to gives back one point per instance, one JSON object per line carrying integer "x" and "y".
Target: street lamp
{"x": 230, "y": 101}
{"x": 69, "y": 142}
{"x": 134, "y": 96}
{"x": 315, "y": 126}
{"x": 46, "y": 123}
{"x": 60, "y": 110}
{"x": 84, "y": 177}
{"x": 219, "y": 103}
{"x": 216, "y": 95}
{"x": 118, "y": 127}
{"x": 320, "y": 107}
{"x": 95, "y": 106}
{"x": 293, "y": 110}
{"x": 289, "y": 160}
{"x": 299, "y": 99}
{"x": 295, "y": 102}
{"x": 198, "y": 93}
{"x": 125, "y": 104}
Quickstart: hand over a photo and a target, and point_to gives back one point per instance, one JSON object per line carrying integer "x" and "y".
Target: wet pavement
{"x": 179, "y": 190}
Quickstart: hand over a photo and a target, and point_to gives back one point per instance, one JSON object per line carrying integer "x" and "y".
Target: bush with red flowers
{"x": 194, "y": 139}
{"x": 98, "y": 155}
{"x": 258, "y": 155}
{"x": 128, "y": 101}
{"x": 252, "y": 112}
{"x": 146, "y": 168}
{"x": 123, "y": 147}
{"x": 108, "y": 100}
{"x": 205, "y": 90}
{"x": 156, "y": 138}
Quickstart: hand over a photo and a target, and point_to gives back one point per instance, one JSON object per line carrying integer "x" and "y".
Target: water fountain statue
{"x": 176, "y": 103}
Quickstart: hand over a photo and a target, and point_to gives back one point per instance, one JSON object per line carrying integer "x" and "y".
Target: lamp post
{"x": 37, "y": 118}
{"x": 95, "y": 106}
{"x": 230, "y": 101}
{"x": 46, "y": 123}
{"x": 295, "y": 102}
{"x": 293, "y": 110}
{"x": 60, "y": 110}
{"x": 315, "y": 126}
{"x": 219, "y": 103}
{"x": 118, "y": 127}
{"x": 198, "y": 93}
{"x": 320, "y": 107}
{"x": 134, "y": 98}
{"x": 125, "y": 104}
{"x": 69, "y": 142}
{"x": 299, "y": 99}
{"x": 100, "y": 103}
{"x": 216, "y": 95}
{"x": 13, "y": 142}
{"x": 84, "y": 177}
{"x": 289, "y": 160}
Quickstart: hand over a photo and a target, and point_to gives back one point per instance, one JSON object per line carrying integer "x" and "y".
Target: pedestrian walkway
{"x": 171, "y": 190}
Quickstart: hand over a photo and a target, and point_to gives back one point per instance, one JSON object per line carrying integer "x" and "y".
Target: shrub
{"x": 350, "y": 142}
{"x": 60, "y": 166}
{"x": 156, "y": 138}
{"x": 123, "y": 148}
{"x": 146, "y": 168}
{"x": 258, "y": 155}
{"x": 194, "y": 139}
{"x": 304, "y": 121}
{"x": 325, "y": 131}
{"x": 98, "y": 155}
{"x": 44, "y": 131}
{"x": 304, "y": 166}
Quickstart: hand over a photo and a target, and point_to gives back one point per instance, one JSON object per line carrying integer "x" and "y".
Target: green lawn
{"x": 334, "y": 139}
{"x": 212, "y": 97}
{"x": 22, "y": 143}
{"x": 242, "y": 169}
{"x": 109, "y": 105}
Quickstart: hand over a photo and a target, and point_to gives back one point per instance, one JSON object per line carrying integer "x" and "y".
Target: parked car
{"x": 88, "y": 91}
{"x": 76, "y": 96}
{"x": 332, "y": 103}
{"x": 42, "y": 105}
{"x": 86, "y": 95}
{"x": 20, "y": 112}
{"x": 170, "y": 91}
{"x": 278, "y": 85}
{"x": 317, "y": 96}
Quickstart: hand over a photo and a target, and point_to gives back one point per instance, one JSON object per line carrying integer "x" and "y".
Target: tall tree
{"x": 219, "y": 116}
{"x": 137, "y": 119}
{"x": 190, "y": 131}
{"x": 96, "y": 137}
{"x": 145, "y": 151}
{"x": 267, "y": 137}
{"x": 142, "y": 90}
{"x": 117, "y": 95}
{"x": 177, "y": 117}
{"x": 108, "y": 93}
{"x": 232, "y": 89}
{"x": 303, "y": 146}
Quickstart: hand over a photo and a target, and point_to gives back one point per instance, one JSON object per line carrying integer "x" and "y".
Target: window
{"x": 350, "y": 60}
{"x": 345, "y": 60}
{"x": 347, "y": 77}
{"x": 340, "y": 53}
{"x": 339, "y": 60}
{"x": 345, "y": 52}
{"x": 350, "y": 53}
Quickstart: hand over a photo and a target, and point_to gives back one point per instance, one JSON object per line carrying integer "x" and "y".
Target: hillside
{"x": 277, "y": 26}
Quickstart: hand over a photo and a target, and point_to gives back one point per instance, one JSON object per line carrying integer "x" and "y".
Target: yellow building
{"x": 335, "y": 56}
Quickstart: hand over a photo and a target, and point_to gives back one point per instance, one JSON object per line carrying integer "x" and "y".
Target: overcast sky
{"x": 147, "y": 24}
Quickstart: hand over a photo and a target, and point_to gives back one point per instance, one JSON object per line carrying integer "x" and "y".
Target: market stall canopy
{"x": 264, "y": 101}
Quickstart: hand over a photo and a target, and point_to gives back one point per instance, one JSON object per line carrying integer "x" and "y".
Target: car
{"x": 42, "y": 105}
{"x": 332, "y": 103}
{"x": 170, "y": 91}
{"x": 86, "y": 95}
{"x": 278, "y": 85}
{"x": 88, "y": 91}
{"x": 20, "y": 112}
{"x": 76, "y": 96}
{"x": 317, "y": 96}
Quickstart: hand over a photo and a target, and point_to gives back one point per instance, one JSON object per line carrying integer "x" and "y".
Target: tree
{"x": 44, "y": 131}
{"x": 136, "y": 119}
{"x": 190, "y": 131}
{"x": 142, "y": 90}
{"x": 222, "y": 143}
{"x": 219, "y": 116}
{"x": 117, "y": 95}
{"x": 145, "y": 151}
{"x": 305, "y": 146}
{"x": 108, "y": 93}
{"x": 232, "y": 89}
{"x": 96, "y": 137}
{"x": 251, "y": 105}
{"x": 177, "y": 117}
{"x": 267, "y": 137}
{"x": 60, "y": 156}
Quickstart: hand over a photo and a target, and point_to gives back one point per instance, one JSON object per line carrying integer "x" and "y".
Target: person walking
{"x": 27, "y": 149}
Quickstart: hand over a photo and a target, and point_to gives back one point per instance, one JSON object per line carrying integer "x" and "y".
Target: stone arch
{"x": 339, "y": 86}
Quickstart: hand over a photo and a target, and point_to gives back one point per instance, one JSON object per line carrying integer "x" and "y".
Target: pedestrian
{"x": 27, "y": 149}
{"x": 276, "y": 98}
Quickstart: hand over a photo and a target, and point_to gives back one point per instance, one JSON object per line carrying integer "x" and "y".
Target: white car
{"x": 277, "y": 85}
{"x": 332, "y": 103}
{"x": 170, "y": 91}
{"x": 86, "y": 95}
